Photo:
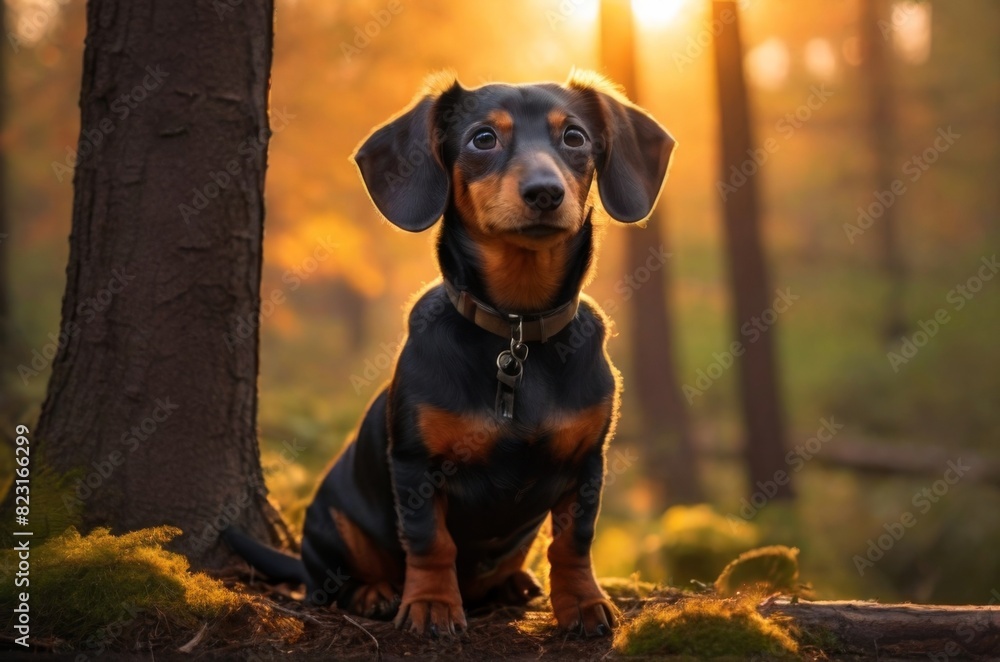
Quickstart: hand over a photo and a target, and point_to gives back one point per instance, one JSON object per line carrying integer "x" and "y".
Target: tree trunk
{"x": 6, "y": 323}
{"x": 154, "y": 388}
{"x": 881, "y": 138}
{"x": 670, "y": 461}
{"x": 752, "y": 294}
{"x": 891, "y": 631}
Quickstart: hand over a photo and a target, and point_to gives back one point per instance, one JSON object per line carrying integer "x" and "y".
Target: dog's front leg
{"x": 578, "y": 602}
{"x": 431, "y": 601}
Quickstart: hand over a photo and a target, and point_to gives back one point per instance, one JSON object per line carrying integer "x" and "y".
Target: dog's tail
{"x": 277, "y": 566}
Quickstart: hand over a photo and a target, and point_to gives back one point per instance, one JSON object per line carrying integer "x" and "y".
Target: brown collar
{"x": 534, "y": 326}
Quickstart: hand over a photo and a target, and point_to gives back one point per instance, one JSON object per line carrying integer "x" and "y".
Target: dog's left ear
{"x": 400, "y": 163}
{"x": 632, "y": 154}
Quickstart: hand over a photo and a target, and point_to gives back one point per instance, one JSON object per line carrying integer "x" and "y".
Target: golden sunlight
{"x": 656, "y": 13}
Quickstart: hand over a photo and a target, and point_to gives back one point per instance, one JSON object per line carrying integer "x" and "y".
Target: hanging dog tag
{"x": 509, "y": 372}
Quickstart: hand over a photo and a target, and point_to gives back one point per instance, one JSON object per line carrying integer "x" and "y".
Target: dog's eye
{"x": 485, "y": 140}
{"x": 574, "y": 137}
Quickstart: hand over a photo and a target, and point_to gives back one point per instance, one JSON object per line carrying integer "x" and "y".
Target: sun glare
{"x": 656, "y": 13}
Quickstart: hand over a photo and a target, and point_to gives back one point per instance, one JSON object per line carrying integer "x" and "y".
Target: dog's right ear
{"x": 400, "y": 163}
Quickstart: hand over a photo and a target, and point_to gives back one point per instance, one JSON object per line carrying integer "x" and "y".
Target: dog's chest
{"x": 539, "y": 438}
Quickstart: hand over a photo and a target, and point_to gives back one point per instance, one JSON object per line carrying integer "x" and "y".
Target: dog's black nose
{"x": 543, "y": 193}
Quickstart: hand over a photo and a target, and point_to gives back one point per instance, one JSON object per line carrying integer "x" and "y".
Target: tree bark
{"x": 153, "y": 395}
{"x": 665, "y": 433}
{"x": 881, "y": 137}
{"x": 750, "y": 286}
{"x": 888, "y": 631}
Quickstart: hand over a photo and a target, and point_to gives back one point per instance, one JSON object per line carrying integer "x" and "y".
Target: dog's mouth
{"x": 540, "y": 230}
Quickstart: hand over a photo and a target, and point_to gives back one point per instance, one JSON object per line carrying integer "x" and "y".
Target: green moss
{"x": 771, "y": 569}
{"x": 619, "y": 588}
{"x": 698, "y": 542}
{"x": 705, "y": 628}
{"x": 83, "y": 587}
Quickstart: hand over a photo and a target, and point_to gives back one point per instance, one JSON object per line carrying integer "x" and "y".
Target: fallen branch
{"x": 908, "y": 459}
{"x": 868, "y": 628}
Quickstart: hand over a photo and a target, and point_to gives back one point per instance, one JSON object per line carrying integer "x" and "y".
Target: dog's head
{"x": 516, "y": 162}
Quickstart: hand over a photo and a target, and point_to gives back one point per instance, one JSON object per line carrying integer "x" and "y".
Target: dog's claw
{"x": 431, "y": 618}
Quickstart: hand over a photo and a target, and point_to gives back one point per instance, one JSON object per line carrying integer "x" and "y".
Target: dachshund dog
{"x": 503, "y": 399}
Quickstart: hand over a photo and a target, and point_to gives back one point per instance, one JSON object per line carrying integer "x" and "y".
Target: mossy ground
{"x": 91, "y": 591}
{"x": 772, "y": 569}
{"x": 105, "y": 593}
{"x": 705, "y": 627}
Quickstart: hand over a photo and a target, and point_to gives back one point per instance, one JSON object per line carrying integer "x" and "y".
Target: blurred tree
{"x": 6, "y": 325}
{"x": 881, "y": 125}
{"x": 153, "y": 395}
{"x": 670, "y": 464}
{"x": 764, "y": 447}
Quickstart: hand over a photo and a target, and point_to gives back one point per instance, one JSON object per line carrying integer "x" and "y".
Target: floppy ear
{"x": 633, "y": 154}
{"x": 401, "y": 168}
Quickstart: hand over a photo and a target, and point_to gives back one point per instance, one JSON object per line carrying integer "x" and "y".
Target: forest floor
{"x": 508, "y": 633}
{"x": 272, "y": 623}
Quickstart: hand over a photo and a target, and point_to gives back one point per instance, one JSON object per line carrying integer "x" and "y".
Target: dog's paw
{"x": 379, "y": 601}
{"x": 579, "y": 603}
{"x": 586, "y": 611}
{"x": 432, "y": 617}
{"x": 519, "y": 588}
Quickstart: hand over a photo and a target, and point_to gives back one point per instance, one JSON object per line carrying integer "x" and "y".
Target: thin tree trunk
{"x": 670, "y": 461}
{"x": 153, "y": 392}
{"x": 752, "y": 293}
{"x": 881, "y": 138}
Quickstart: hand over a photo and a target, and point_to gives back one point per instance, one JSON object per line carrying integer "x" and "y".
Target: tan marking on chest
{"x": 572, "y": 434}
{"x": 457, "y": 437}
